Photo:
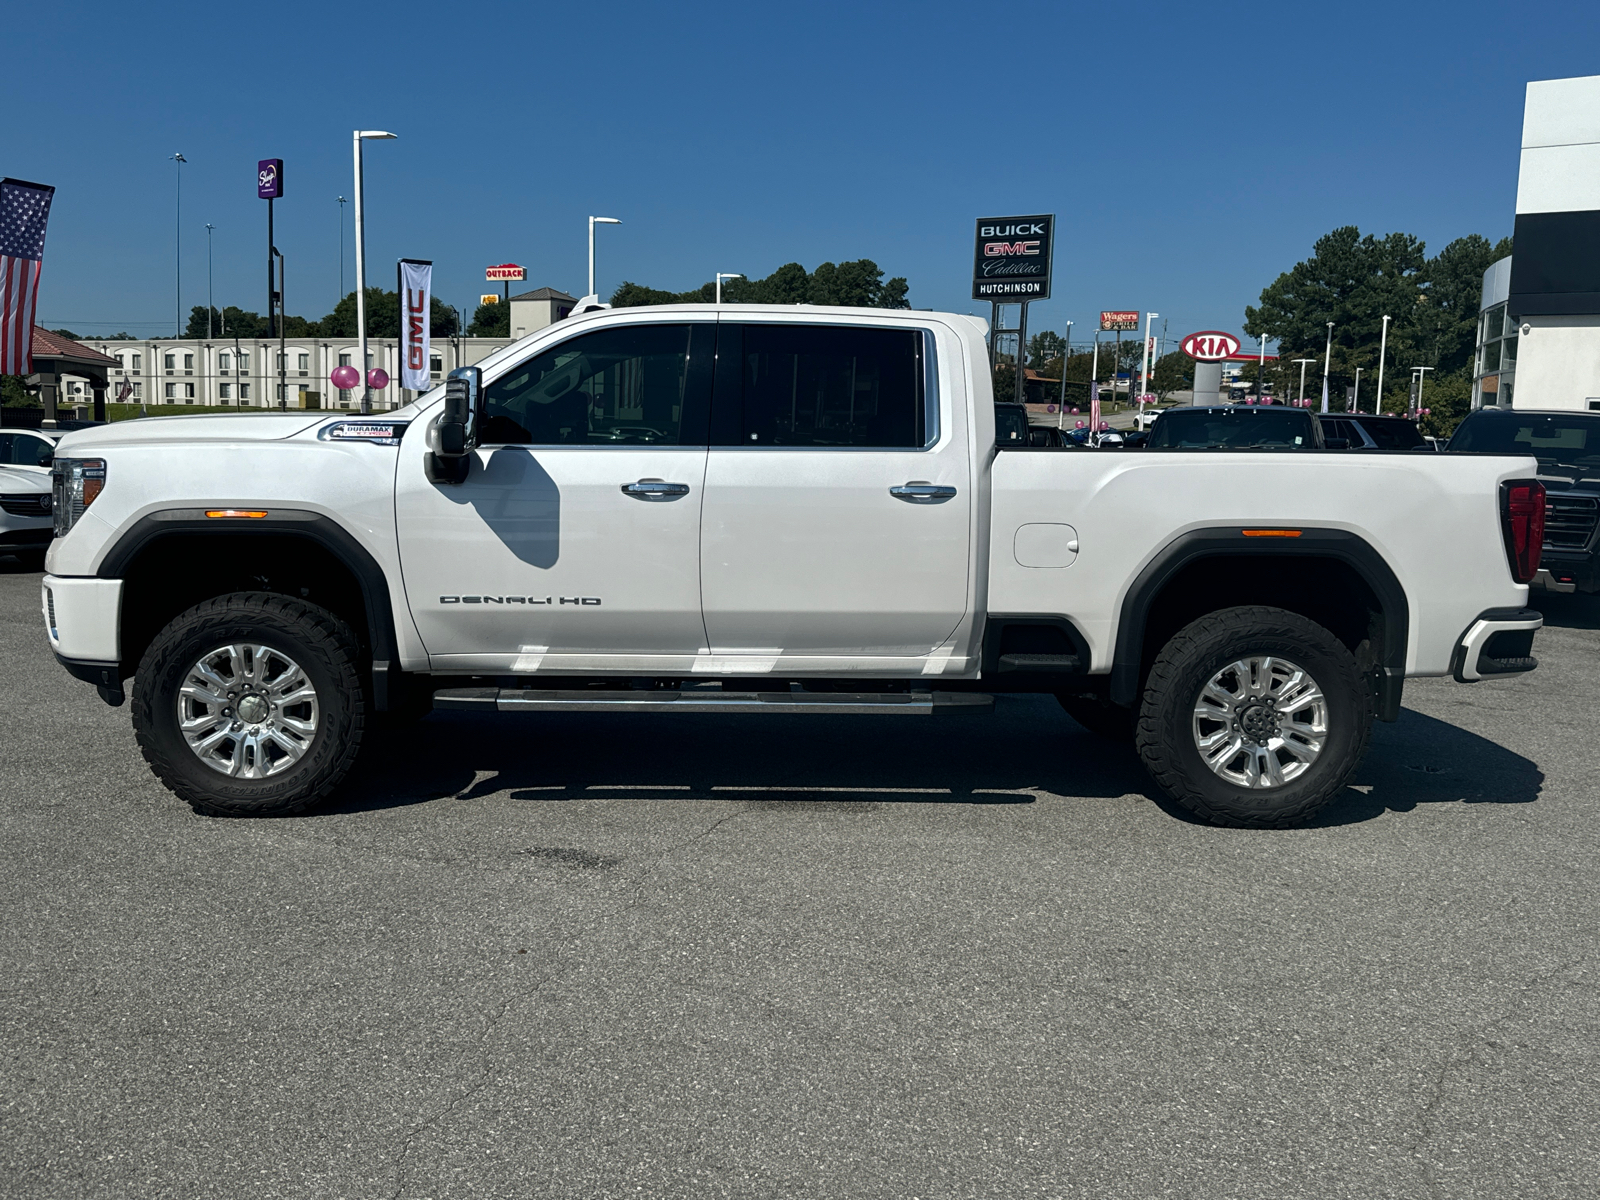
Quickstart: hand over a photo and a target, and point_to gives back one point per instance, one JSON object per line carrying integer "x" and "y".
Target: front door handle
{"x": 919, "y": 492}
{"x": 655, "y": 489}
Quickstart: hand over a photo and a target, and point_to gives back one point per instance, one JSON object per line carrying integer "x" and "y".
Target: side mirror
{"x": 454, "y": 433}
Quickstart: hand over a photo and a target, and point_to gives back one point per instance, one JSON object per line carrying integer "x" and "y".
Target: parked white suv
{"x": 25, "y": 515}
{"x": 766, "y": 510}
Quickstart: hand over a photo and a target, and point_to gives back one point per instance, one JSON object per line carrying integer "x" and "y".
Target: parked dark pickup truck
{"x": 1567, "y": 445}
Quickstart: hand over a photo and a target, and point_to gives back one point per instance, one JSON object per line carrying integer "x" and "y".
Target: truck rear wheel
{"x": 250, "y": 705}
{"x": 1254, "y": 717}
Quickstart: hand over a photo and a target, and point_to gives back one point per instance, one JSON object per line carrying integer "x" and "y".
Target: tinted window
{"x": 1010, "y": 425}
{"x": 1574, "y": 440}
{"x": 1332, "y": 428}
{"x": 1232, "y": 428}
{"x": 24, "y": 450}
{"x": 633, "y": 385}
{"x": 1394, "y": 435}
{"x": 828, "y": 385}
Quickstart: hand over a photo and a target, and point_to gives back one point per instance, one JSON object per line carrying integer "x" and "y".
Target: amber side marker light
{"x": 236, "y": 512}
{"x": 1270, "y": 532}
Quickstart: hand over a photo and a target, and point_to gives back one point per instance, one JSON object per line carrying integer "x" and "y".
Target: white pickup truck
{"x": 782, "y": 510}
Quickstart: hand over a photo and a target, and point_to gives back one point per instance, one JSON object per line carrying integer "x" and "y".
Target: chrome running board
{"x": 911, "y": 704}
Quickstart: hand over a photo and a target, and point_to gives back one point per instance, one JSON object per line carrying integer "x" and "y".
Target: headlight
{"x": 75, "y": 482}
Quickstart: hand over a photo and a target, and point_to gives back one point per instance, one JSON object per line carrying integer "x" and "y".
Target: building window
{"x": 169, "y": 362}
{"x": 1497, "y": 358}
{"x": 172, "y": 391}
{"x": 135, "y": 360}
{"x": 225, "y": 391}
{"x": 280, "y": 392}
{"x": 224, "y": 361}
{"x": 244, "y": 361}
{"x": 305, "y": 362}
{"x": 344, "y": 393}
{"x": 138, "y": 390}
{"x": 188, "y": 362}
{"x": 344, "y": 359}
{"x": 188, "y": 391}
{"x": 435, "y": 364}
{"x": 244, "y": 392}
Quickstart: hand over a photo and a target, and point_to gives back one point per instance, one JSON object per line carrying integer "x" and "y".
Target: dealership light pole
{"x": 1355, "y": 396}
{"x": 177, "y": 161}
{"x": 1304, "y": 363}
{"x": 593, "y": 221}
{"x": 1144, "y": 371}
{"x": 1261, "y": 369}
{"x": 209, "y": 301}
{"x": 361, "y": 262}
{"x": 721, "y": 275}
{"x": 1383, "y": 347}
{"x": 1327, "y": 356}
{"x": 1066, "y": 353}
{"x": 1422, "y": 376}
{"x": 342, "y": 203}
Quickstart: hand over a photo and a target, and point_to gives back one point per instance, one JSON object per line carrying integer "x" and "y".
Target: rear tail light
{"x": 1522, "y": 516}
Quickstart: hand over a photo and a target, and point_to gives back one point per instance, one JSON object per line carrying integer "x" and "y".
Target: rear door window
{"x": 822, "y": 386}
{"x": 1394, "y": 435}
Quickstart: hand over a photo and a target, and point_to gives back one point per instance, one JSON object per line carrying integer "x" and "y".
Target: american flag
{"x": 24, "y": 212}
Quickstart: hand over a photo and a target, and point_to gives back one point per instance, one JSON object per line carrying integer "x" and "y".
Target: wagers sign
{"x": 1011, "y": 258}
{"x": 1210, "y": 345}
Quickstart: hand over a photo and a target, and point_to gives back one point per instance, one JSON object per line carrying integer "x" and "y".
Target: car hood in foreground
{"x": 218, "y": 427}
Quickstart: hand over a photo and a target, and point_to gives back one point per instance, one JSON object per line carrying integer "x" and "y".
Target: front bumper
{"x": 83, "y": 617}
{"x": 1499, "y": 642}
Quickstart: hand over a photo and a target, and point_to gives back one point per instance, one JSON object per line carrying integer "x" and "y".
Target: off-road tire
{"x": 1099, "y": 716}
{"x": 1166, "y": 738}
{"x": 322, "y": 645}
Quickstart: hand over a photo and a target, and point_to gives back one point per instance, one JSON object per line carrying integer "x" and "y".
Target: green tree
{"x": 67, "y": 333}
{"x": 197, "y": 322}
{"x": 858, "y": 284}
{"x": 1173, "y": 372}
{"x": 1044, "y": 353}
{"x": 383, "y": 317}
{"x": 236, "y": 322}
{"x": 14, "y": 393}
{"x": 491, "y": 320}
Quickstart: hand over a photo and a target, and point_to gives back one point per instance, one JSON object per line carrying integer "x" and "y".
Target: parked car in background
{"x": 1362, "y": 431}
{"x": 1011, "y": 425}
{"x": 1235, "y": 427}
{"x": 1567, "y": 445}
{"x": 29, "y": 448}
{"x": 25, "y": 512}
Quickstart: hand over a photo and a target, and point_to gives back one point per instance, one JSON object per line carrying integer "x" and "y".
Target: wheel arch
{"x": 305, "y": 545}
{"x": 1343, "y": 568}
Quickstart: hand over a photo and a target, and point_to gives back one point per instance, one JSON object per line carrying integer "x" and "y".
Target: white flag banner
{"x": 416, "y": 286}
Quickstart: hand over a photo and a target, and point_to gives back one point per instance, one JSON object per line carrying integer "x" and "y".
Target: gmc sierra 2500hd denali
{"x": 766, "y": 510}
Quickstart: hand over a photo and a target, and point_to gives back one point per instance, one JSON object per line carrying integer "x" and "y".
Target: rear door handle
{"x": 655, "y": 489}
{"x": 919, "y": 492}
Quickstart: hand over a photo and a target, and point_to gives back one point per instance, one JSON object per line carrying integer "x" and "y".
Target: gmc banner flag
{"x": 1011, "y": 259}
{"x": 24, "y": 212}
{"x": 416, "y": 282}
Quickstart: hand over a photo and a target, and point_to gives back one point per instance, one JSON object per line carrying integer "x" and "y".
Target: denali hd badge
{"x": 556, "y": 600}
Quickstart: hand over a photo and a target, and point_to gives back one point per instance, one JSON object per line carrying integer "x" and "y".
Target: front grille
{"x": 31, "y": 504}
{"x": 1569, "y": 521}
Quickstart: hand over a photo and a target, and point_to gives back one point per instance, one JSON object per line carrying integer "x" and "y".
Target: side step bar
{"x": 911, "y": 704}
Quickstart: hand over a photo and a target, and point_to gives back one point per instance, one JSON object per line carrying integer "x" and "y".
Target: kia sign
{"x": 509, "y": 271}
{"x": 1011, "y": 259}
{"x": 1119, "y": 321}
{"x": 269, "y": 178}
{"x": 1210, "y": 345}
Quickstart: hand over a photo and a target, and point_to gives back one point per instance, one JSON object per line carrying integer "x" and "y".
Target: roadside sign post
{"x": 1011, "y": 263}
{"x": 1209, "y": 348}
{"x": 1118, "y": 321}
{"x": 269, "y": 186}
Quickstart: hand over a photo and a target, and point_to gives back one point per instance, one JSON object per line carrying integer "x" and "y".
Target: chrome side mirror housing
{"x": 453, "y": 434}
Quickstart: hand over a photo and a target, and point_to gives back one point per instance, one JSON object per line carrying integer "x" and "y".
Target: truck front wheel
{"x": 250, "y": 705}
{"x": 1254, "y": 717}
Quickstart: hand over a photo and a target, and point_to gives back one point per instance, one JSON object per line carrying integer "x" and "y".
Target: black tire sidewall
{"x": 199, "y": 632}
{"x": 1308, "y": 646}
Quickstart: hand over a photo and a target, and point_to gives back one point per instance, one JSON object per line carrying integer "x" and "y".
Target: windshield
{"x": 1555, "y": 439}
{"x": 1232, "y": 429}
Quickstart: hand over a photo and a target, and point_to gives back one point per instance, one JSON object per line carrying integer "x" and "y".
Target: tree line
{"x": 858, "y": 284}
{"x": 383, "y": 320}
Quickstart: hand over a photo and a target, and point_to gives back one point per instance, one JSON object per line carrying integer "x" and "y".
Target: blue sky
{"x": 1192, "y": 152}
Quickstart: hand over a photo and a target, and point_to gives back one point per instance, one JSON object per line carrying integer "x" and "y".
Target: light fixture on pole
{"x": 210, "y": 302}
{"x": 1304, "y": 363}
{"x": 1327, "y": 357}
{"x": 1421, "y": 374}
{"x": 1383, "y": 347}
{"x": 177, "y": 162}
{"x": 593, "y": 221}
{"x": 361, "y": 261}
{"x": 342, "y": 203}
{"x": 1144, "y": 371}
{"x": 721, "y": 275}
{"x": 1261, "y": 370}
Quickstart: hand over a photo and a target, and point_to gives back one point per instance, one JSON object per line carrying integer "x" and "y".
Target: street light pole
{"x": 1066, "y": 353}
{"x": 361, "y": 263}
{"x": 721, "y": 275}
{"x": 1144, "y": 371}
{"x": 210, "y": 301}
{"x": 1355, "y": 397}
{"x": 342, "y": 203}
{"x": 1383, "y": 347}
{"x": 593, "y": 221}
{"x": 177, "y": 162}
{"x": 1422, "y": 377}
{"x": 1327, "y": 357}
{"x": 1304, "y": 362}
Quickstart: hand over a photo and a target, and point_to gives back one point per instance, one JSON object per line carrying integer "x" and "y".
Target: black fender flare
{"x": 294, "y": 522}
{"x": 1339, "y": 545}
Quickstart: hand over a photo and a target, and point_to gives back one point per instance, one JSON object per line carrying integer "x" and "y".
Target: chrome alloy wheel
{"x": 247, "y": 710}
{"x": 1260, "y": 722}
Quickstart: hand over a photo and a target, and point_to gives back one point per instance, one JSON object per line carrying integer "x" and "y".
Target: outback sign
{"x": 1210, "y": 345}
{"x": 504, "y": 271}
{"x": 1011, "y": 258}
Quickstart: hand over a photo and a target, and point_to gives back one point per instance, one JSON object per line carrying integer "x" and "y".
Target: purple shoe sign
{"x": 269, "y": 178}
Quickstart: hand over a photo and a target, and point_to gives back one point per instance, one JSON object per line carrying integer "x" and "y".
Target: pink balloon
{"x": 1079, "y": 424}
{"x": 1074, "y": 412}
{"x": 345, "y": 378}
{"x": 378, "y": 378}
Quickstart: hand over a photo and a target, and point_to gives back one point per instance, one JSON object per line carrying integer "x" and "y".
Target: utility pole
{"x": 342, "y": 203}
{"x": 1144, "y": 371}
{"x": 1383, "y": 347}
{"x": 178, "y": 160}
{"x": 210, "y": 300}
{"x": 1327, "y": 357}
{"x": 1304, "y": 362}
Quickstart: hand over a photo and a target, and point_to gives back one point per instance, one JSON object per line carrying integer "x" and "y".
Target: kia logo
{"x": 1210, "y": 345}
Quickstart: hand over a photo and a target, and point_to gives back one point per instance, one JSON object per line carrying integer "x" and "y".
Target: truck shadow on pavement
{"x": 1569, "y": 610}
{"x": 1027, "y": 752}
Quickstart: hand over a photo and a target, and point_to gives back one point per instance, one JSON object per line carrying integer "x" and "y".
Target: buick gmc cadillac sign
{"x": 1011, "y": 259}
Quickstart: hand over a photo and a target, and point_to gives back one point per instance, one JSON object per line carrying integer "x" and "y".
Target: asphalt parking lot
{"x": 614, "y": 956}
